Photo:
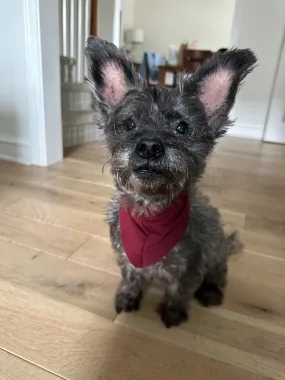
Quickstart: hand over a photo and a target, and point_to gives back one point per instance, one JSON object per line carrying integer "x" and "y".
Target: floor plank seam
{"x": 52, "y": 224}
{"x": 264, "y": 255}
{"x": 68, "y": 257}
{"x": 53, "y": 299}
{"x": 80, "y": 263}
{"x": 27, "y": 246}
{"x": 212, "y": 349}
{"x": 68, "y": 191}
{"x": 109, "y": 186}
{"x": 83, "y": 162}
{"x": 40, "y": 251}
{"x": 34, "y": 364}
{"x": 228, "y": 314}
{"x": 93, "y": 267}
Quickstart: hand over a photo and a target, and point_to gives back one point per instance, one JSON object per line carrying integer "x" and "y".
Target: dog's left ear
{"x": 109, "y": 73}
{"x": 216, "y": 83}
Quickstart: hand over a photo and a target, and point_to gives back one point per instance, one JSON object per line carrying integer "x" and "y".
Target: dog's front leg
{"x": 130, "y": 292}
{"x": 173, "y": 310}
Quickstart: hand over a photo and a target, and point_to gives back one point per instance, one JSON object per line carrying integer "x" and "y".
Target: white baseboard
{"x": 246, "y": 131}
{"x": 14, "y": 149}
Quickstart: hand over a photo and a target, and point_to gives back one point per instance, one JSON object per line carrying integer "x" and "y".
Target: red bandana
{"x": 147, "y": 239}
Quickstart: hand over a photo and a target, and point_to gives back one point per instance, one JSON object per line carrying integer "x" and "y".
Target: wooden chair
{"x": 189, "y": 60}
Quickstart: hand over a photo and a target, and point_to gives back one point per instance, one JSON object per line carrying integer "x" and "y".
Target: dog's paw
{"x": 209, "y": 295}
{"x": 172, "y": 315}
{"x": 127, "y": 302}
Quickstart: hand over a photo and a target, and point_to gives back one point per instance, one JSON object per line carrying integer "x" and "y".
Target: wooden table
{"x": 168, "y": 69}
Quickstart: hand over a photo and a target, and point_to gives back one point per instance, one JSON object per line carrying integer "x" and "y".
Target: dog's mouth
{"x": 147, "y": 170}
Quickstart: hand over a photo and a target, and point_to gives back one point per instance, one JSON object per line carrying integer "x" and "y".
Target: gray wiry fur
{"x": 130, "y": 112}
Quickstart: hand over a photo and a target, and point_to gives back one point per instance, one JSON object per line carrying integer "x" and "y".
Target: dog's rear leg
{"x": 211, "y": 292}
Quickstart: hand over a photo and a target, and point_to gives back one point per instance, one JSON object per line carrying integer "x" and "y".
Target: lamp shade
{"x": 135, "y": 36}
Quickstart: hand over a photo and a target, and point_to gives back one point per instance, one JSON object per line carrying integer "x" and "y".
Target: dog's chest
{"x": 169, "y": 267}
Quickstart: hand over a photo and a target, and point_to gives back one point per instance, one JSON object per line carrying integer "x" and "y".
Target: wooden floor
{"x": 58, "y": 277}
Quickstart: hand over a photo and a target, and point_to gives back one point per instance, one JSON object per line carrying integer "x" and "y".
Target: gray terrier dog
{"x": 162, "y": 229}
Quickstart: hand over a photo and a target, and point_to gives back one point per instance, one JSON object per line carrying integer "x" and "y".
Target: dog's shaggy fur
{"x": 185, "y": 121}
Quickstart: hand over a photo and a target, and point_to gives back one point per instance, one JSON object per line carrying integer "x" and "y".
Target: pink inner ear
{"x": 115, "y": 85}
{"x": 215, "y": 89}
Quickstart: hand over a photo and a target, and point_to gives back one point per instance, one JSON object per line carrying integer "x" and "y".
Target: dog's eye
{"x": 129, "y": 124}
{"x": 182, "y": 128}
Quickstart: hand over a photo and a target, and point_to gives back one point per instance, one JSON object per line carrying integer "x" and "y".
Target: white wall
{"x": 109, "y": 20}
{"x": 168, "y": 22}
{"x": 258, "y": 25}
{"x": 128, "y": 17}
{"x": 30, "y": 115}
{"x": 14, "y": 134}
{"x": 106, "y": 19}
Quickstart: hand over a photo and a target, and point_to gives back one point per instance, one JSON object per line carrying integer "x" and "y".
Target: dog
{"x": 162, "y": 229}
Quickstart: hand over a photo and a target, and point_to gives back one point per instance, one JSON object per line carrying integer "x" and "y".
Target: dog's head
{"x": 159, "y": 138}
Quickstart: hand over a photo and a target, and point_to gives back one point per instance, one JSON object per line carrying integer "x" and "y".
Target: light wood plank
{"x": 66, "y": 281}
{"x": 14, "y": 368}
{"x": 79, "y": 345}
{"x": 82, "y": 187}
{"x": 247, "y": 203}
{"x": 83, "y": 171}
{"x": 97, "y": 253}
{"x": 7, "y": 197}
{"x": 263, "y": 225}
{"x": 257, "y": 287}
{"x": 87, "y": 153}
{"x": 89, "y": 222}
{"x": 206, "y": 347}
{"x": 250, "y": 182}
{"x": 264, "y": 243}
{"x": 44, "y": 237}
{"x": 12, "y": 193}
{"x": 233, "y": 219}
{"x": 247, "y": 165}
{"x": 250, "y": 148}
{"x": 25, "y": 174}
{"x": 104, "y": 231}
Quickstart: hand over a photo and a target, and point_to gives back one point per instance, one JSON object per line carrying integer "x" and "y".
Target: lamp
{"x": 134, "y": 37}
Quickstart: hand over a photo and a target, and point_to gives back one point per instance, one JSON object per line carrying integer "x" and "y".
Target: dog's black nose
{"x": 150, "y": 149}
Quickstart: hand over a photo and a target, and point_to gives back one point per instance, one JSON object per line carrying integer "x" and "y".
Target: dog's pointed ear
{"x": 216, "y": 83}
{"x": 109, "y": 73}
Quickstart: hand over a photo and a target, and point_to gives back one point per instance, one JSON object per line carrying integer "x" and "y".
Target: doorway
{"x": 78, "y": 20}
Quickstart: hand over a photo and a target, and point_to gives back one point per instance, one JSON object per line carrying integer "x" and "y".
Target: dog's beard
{"x": 164, "y": 185}
{"x": 147, "y": 187}
{"x": 165, "y": 179}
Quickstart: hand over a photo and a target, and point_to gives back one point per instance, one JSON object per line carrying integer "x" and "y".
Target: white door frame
{"x": 116, "y": 23}
{"x": 43, "y": 71}
{"x": 274, "y": 130}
